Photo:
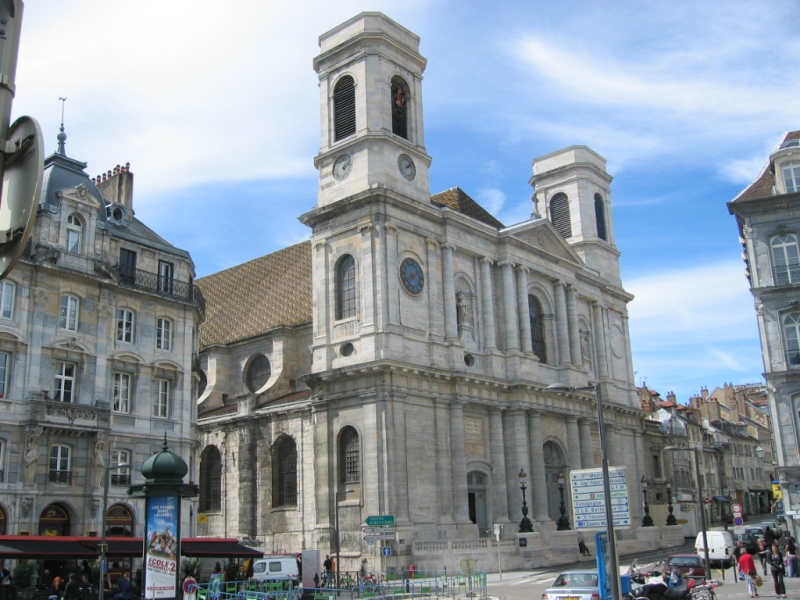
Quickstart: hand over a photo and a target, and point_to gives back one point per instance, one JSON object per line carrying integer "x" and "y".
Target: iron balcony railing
{"x": 120, "y": 479}
{"x": 160, "y": 284}
{"x": 785, "y": 274}
{"x": 60, "y": 476}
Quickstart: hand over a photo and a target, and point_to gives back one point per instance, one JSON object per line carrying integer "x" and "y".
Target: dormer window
{"x": 791, "y": 176}
{"x": 74, "y": 229}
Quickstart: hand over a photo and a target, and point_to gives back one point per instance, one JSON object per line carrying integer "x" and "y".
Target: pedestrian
{"x": 769, "y": 537}
{"x": 737, "y": 552}
{"x": 85, "y": 587}
{"x": 71, "y": 589}
{"x": 362, "y": 572}
{"x": 777, "y": 568}
{"x": 124, "y": 587}
{"x": 748, "y": 566}
{"x": 791, "y": 558}
{"x": 57, "y": 589}
{"x": 86, "y": 570}
{"x": 762, "y": 555}
{"x": 327, "y": 564}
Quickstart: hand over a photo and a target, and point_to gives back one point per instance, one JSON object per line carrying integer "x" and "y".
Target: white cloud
{"x": 491, "y": 199}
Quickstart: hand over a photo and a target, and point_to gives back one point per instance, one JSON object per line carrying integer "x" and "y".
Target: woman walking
{"x": 777, "y": 568}
{"x": 748, "y": 566}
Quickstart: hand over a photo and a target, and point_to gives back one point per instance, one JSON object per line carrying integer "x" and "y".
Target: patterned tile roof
{"x": 456, "y": 199}
{"x": 250, "y": 299}
{"x": 762, "y": 186}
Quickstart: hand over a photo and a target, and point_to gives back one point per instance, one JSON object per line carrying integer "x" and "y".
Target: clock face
{"x": 407, "y": 167}
{"x": 411, "y": 275}
{"x": 342, "y": 166}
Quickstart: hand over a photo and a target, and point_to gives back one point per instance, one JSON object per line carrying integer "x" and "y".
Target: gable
{"x": 541, "y": 234}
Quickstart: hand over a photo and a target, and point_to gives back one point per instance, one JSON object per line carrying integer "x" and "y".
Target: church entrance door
{"x": 553, "y": 465}
{"x": 476, "y": 489}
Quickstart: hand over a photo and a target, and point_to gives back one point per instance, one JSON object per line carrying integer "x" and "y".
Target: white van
{"x": 280, "y": 566}
{"x": 720, "y": 548}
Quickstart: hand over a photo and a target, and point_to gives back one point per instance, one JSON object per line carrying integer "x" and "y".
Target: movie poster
{"x": 161, "y": 569}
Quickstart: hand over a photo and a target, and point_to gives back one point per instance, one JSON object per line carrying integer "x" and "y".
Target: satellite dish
{"x": 22, "y": 188}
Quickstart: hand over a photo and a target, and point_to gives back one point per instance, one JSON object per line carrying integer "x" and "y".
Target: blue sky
{"x": 215, "y": 105}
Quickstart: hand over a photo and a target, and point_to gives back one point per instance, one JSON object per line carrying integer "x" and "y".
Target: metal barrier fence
{"x": 407, "y": 585}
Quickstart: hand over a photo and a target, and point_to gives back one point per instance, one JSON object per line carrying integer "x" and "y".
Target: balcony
{"x": 158, "y": 284}
{"x": 120, "y": 479}
{"x": 60, "y": 477}
{"x": 786, "y": 274}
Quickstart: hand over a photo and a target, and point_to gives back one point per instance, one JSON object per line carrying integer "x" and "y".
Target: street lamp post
{"x": 647, "y": 520}
{"x": 103, "y": 525}
{"x": 671, "y": 520}
{"x": 699, "y": 492}
{"x": 525, "y": 525}
{"x": 563, "y": 521}
{"x": 613, "y": 564}
{"x": 338, "y": 539}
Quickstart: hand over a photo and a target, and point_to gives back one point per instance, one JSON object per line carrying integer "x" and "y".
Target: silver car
{"x": 574, "y": 585}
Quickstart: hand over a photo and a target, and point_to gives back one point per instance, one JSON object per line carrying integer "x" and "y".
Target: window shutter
{"x": 344, "y": 108}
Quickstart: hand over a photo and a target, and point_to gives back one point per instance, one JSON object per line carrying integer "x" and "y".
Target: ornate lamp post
{"x": 671, "y": 520}
{"x": 525, "y": 525}
{"x": 563, "y": 521}
{"x": 647, "y": 520}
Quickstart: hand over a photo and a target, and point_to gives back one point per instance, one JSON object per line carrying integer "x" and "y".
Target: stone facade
{"x": 96, "y": 357}
{"x": 397, "y": 363}
{"x": 768, "y": 216}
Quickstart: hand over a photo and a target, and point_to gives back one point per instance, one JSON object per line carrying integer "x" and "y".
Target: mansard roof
{"x": 762, "y": 186}
{"x": 456, "y": 199}
{"x": 252, "y": 298}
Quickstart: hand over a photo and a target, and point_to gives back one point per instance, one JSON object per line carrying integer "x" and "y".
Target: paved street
{"x": 529, "y": 585}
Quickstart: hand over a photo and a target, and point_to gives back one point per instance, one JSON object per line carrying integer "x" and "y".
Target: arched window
{"x": 791, "y": 333}
{"x": 349, "y": 457}
{"x": 785, "y": 263}
{"x": 791, "y": 176}
{"x": 600, "y": 216}
{"x": 284, "y": 471}
{"x": 346, "y": 287}
{"x": 210, "y": 480}
{"x": 258, "y": 372}
{"x": 399, "y": 102}
{"x": 538, "y": 344}
{"x": 74, "y": 229}
{"x": 559, "y": 215}
{"x": 344, "y": 108}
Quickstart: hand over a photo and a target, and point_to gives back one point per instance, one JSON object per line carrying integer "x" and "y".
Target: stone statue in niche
{"x": 463, "y": 312}
{"x": 31, "y": 458}
{"x": 98, "y": 462}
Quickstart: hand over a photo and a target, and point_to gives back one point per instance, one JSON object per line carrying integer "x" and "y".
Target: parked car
{"x": 276, "y": 567}
{"x": 748, "y": 539}
{"x": 688, "y": 565}
{"x": 756, "y": 531}
{"x": 574, "y": 585}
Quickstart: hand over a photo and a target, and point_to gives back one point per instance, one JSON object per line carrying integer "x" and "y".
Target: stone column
{"x": 573, "y": 443}
{"x": 516, "y": 460}
{"x": 399, "y": 470}
{"x": 538, "y": 478}
{"x": 499, "y": 488}
{"x": 587, "y": 454}
{"x": 324, "y": 465}
{"x": 562, "y": 331}
{"x": 487, "y": 303}
{"x": 449, "y": 284}
{"x": 599, "y": 336}
{"x": 574, "y": 330}
{"x": 444, "y": 465}
{"x": 637, "y": 509}
{"x": 524, "y": 309}
{"x": 458, "y": 450}
{"x": 324, "y": 293}
{"x": 391, "y": 274}
{"x": 612, "y": 445}
{"x": 509, "y": 298}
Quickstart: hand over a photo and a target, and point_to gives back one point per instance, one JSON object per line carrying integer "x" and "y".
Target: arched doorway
{"x": 478, "y": 513}
{"x": 54, "y": 520}
{"x": 553, "y": 465}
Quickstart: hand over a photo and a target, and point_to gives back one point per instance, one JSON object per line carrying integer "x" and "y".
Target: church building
{"x": 396, "y": 363}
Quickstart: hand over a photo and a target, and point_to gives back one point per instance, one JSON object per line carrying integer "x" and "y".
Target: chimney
{"x": 117, "y": 186}
{"x": 671, "y": 397}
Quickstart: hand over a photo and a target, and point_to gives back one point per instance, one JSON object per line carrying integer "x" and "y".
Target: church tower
{"x": 370, "y": 81}
{"x": 572, "y": 186}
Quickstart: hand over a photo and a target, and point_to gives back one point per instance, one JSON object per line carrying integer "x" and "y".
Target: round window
{"x": 469, "y": 360}
{"x": 347, "y": 349}
{"x": 258, "y": 372}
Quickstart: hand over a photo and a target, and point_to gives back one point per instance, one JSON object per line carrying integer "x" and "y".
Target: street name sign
{"x": 380, "y": 520}
{"x": 374, "y": 538}
{"x": 377, "y": 530}
{"x": 588, "y": 498}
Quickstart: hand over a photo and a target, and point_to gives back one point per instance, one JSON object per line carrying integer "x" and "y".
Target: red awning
{"x": 77, "y": 547}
